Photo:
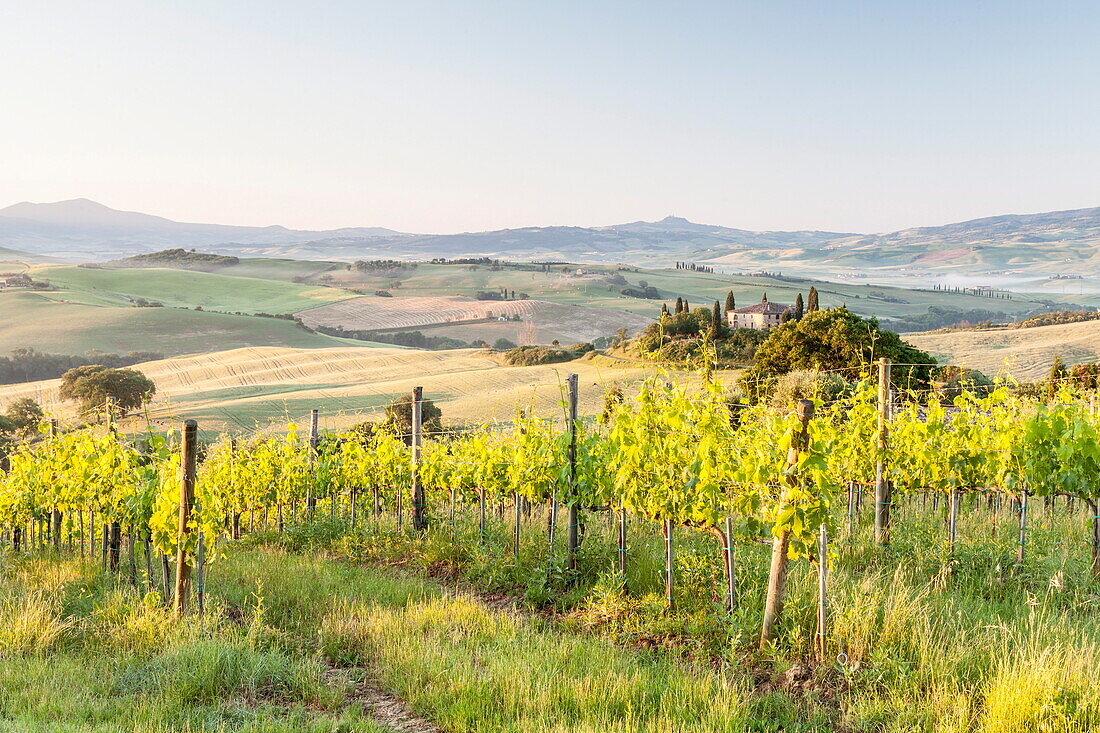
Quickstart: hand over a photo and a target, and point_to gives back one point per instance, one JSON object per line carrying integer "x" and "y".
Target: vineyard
{"x": 672, "y": 457}
{"x": 888, "y": 542}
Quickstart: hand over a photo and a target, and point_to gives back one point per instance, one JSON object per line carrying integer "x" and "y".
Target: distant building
{"x": 761, "y": 316}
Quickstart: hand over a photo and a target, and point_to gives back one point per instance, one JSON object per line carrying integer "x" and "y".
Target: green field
{"x": 188, "y": 288}
{"x": 43, "y": 321}
{"x": 94, "y": 308}
{"x": 271, "y": 268}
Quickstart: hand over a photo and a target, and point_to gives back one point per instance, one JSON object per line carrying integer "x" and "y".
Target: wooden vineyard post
{"x": 882, "y": 486}
{"x": 851, "y": 508}
{"x": 114, "y": 545}
{"x": 730, "y": 565}
{"x": 574, "y": 514}
{"x": 145, "y": 541}
{"x": 481, "y": 515}
{"x": 622, "y": 545}
{"x": 166, "y": 578}
{"x": 200, "y": 572}
{"x": 131, "y": 551}
{"x": 419, "y": 523}
{"x": 670, "y": 567}
{"x": 187, "y": 501}
{"x": 516, "y": 523}
{"x": 55, "y": 529}
{"x": 952, "y": 519}
{"x": 1021, "y": 540}
{"x": 314, "y": 438}
{"x": 1095, "y": 535}
{"x": 822, "y": 593}
{"x": 552, "y": 519}
{"x": 777, "y": 575}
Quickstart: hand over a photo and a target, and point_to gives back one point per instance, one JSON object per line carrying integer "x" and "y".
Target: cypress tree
{"x": 799, "y": 308}
{"x": 811, "y": 301}
{"x": 716, "y": 320}
{"x": 679, "y": 305}
{"x": 664, "y": 309}
{"x": 731, "y": 304}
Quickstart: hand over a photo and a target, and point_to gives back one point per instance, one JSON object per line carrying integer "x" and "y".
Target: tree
{"x": 731, "y": 304}
{"x": 836, "y": 339}
{"x": 716, "y": 320}
{"x": 503, "y": 344}
{"x": 679, "y": 304}
{"x": 1058, "y": 374}
{"x": 24, "y": 415}
{"x": 399, "y": 417}
{"x": 799, "y": 308}
{"x": 92, "y": 385}
{"x": 664, "y": 309}
{"x": 811, "y": 301}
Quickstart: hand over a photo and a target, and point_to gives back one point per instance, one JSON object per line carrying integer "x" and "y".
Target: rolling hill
{"x": 247, "y": 389}
{"x": 1023, "y": 353}
{"x": 49, "y": 322}
{"x": 1051, "y": 243}
{"x": 98, "y": 306}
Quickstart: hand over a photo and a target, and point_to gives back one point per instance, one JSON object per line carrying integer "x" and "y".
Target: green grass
{"x": 188, "y": 288}
{"x": 40, "y": 321}
{"x": 284, "y": 633}
{"x": 930, "y": 641}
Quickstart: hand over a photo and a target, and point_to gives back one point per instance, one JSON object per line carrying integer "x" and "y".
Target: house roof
{"x": 768, "y": 309}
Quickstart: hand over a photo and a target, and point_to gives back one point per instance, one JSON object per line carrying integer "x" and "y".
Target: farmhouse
{"x": 761, "y": 316}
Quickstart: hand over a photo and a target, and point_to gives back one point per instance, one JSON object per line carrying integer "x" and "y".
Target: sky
{"x": 456, "y": 116}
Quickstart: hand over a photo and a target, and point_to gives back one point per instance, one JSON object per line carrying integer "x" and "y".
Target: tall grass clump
{"x": 478, "y": 669}
{"x": 31, "y": 624}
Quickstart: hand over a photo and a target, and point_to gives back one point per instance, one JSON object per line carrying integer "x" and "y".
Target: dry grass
{"x": 373, "y": 312}
{"x": 1024, "y": 353}
{"x": 256, "y": 386}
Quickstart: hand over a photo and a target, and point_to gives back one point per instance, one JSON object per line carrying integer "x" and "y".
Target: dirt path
{"x": 385, "y": 708}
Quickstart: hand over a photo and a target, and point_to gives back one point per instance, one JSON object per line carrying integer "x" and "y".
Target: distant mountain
{"x": 80, "y": 228}
{"x": 1053, "y": 242}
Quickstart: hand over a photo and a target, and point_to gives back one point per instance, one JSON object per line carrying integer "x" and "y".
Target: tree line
{"x": 30, "y": 365}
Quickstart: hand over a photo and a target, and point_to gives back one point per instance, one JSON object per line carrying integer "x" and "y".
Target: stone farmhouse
{"x": 762, "y": 316}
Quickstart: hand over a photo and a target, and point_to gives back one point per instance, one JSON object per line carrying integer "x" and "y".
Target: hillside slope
{"x": 51, "y": 323}
{"x": 244, "y": 389}
{"x": 1057, "y": 242}
{"x": 1024, "y": 353}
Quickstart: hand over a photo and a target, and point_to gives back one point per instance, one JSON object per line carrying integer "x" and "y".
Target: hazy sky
{"x": 452, "y": 116}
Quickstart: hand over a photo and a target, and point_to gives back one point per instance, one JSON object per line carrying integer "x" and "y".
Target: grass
{"x": 246, "y": 388}
{"x": 285, "y": 634}
{"x": 1025, "y": 353}
{"x": 931, "y": 641}
{"x": 45, "y": 321}
{"x": 189, "y": 288}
